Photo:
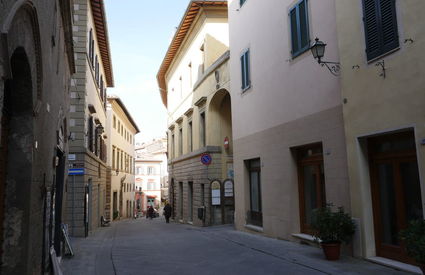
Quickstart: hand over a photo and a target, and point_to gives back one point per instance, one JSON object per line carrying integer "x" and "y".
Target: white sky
{"x": 139, "y": 35}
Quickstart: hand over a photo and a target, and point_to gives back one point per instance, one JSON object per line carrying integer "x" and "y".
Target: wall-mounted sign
{"x": 215, "y": 192}
{"x": 72, "y": 157}
{"x": 76, "y": 171}
{"x": 206, "y": 159}
{"x": 228, "y": 188}
{"x": 226, "y": 143}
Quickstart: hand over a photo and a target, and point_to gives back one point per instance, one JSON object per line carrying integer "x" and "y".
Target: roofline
{"x": 127, "y": 113}
{"x": 189, "y": 16}
{"x": 147, "y": 160}
{"x": 101, "y": 26}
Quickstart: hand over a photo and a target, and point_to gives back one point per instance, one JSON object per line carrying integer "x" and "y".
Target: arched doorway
{"x": 16, "y": 155}
{"x": 220, "y": 134}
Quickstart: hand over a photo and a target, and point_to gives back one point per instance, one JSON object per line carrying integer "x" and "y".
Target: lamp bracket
{"x": 333, "y": 67}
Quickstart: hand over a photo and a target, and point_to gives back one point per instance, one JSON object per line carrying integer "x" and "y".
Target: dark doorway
{"x": 59, "y": 188}
{"x": 396, "y": 193}
{"x": 115, "y": 205}
{"x": 16, "y": 161}
{"x": 311, "y": 183}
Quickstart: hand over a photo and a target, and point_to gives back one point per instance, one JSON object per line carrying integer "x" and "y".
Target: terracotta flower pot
{"x": 332, "y": 251}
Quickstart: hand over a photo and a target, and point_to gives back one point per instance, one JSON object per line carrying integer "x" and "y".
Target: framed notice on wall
{"x": 215, "y": 192}
{"x": 228, "y": 188}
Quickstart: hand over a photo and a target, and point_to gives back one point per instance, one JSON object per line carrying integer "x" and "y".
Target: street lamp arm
{"x": 333, "y": 67}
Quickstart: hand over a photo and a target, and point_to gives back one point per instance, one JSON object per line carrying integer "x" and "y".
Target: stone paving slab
{"x": 153, "y": 247}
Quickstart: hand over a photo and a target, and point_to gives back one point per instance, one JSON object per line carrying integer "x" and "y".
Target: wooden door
{"x": 311, "y": 183}
{"x": 396, "y": 194}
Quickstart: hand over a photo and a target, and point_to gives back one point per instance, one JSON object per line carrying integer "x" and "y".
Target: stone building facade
{"x": 36, "y": 64}
{"x": 384, "y": 116}
{"x": 289, "y": 143}
{"x": 194, "y": 85}
{"x": 120, "y": 131}
{"x": 88, "y": 171}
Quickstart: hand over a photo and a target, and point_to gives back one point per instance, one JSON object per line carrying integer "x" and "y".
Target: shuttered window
{"x": 380, "y": 22}
{"x": 300, "y": 35}
{"x": 246, "y": 78}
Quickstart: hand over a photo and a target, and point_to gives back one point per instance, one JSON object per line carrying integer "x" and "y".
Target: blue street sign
{"x": 76, "y": 171}
{"x": 206, "y": 159}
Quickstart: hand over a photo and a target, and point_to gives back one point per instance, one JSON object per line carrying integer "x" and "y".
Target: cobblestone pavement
{"x": 153, "y": 247}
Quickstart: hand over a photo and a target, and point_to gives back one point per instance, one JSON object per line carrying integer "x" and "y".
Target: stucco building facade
{"x": 120, "y": 130}
{"x": 384, "y": 119}
{"x": 288, "y": 132}
{"x": 151, "y": 174}
{"x": 194, "y": 85}
{"x": 88, "y": 151}
{"x": 36, "y": 64}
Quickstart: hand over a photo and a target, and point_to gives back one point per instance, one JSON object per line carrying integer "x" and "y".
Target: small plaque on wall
{"x": 215, "y": 192}
{"x": 228, "y": 188}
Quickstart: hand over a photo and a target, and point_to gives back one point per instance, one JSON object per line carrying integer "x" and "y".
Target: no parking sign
{"x": 206, "y": 159}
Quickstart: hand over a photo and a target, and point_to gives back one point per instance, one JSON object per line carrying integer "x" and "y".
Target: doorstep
{"x": 254, "y": 228}
{"x": 395, "y": 264}
{"x": 307, "y": 239}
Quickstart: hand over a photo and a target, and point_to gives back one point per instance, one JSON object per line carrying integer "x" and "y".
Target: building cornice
{"x": 182, "y": 31}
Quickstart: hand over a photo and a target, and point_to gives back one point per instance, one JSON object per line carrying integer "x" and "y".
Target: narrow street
{"x": 153, "y": 247}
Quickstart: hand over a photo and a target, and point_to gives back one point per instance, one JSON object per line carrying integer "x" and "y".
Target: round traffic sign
{"x": 206, "y": 159}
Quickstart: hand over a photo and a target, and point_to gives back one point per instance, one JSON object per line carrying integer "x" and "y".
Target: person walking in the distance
{"x": 167, "y": 212}
{"x": 150, "y": 212}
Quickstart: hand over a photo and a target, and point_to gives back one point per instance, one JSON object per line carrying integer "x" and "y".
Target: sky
{"x": 140, "y": 32}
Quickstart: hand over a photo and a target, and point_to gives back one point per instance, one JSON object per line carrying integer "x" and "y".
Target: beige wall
{"x": 208, "y": 31}
{"x": 291, "y": 102}
{"x": 290, "y": 88}
{"x": 377, "y": 105}
{"x": 118, "y": 140}
{"x": 207, "y": 92}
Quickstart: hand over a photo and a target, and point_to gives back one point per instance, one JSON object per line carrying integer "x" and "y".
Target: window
{"x": 189, "y": 136}
{"x": 380, "y": 23}
{"x": 241, "y": 2}
{"x": 246, "y": 79}
{"x": 96, "y": 71}
{"x": 114, "y": 122}
{"x": 202, "y": 129}
{"x": 180, "y": 141}
{"x": 119, "y": 126}
{"x": 311, "y": 183}
{"x": 151, "y": 170}
{"x": 255, "y": 215}
{"x": 91, "y": 47}
{"x": 300, "y": 34}
{"x": 172, "y": 146}
{"x": 102, "y": 94}
{"x": 113, "y": 158}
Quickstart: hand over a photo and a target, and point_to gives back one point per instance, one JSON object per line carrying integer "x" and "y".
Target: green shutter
{"x": 380, "y": 23}
{"x": 300, "y": 34}
{"x": 294, "y": 30}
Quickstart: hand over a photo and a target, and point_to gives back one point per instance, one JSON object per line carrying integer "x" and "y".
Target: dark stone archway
{"x": 18, "y": 136}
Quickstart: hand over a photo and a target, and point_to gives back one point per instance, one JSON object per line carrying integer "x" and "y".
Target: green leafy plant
{"x": 414, "y": 237}
{"x": 332, "y": 227}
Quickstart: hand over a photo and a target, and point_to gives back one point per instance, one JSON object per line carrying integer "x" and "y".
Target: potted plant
{"x": 414, "y": 238}
{"x": 332, "y": 228}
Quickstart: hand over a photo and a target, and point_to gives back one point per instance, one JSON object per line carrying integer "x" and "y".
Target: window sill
{"x": 300, "y": 52}
{"x": 373, "y": 60}
{"x": 395, "y": 264}
{"x": 254, "y": 228}
{"x": 246, "y": 88}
